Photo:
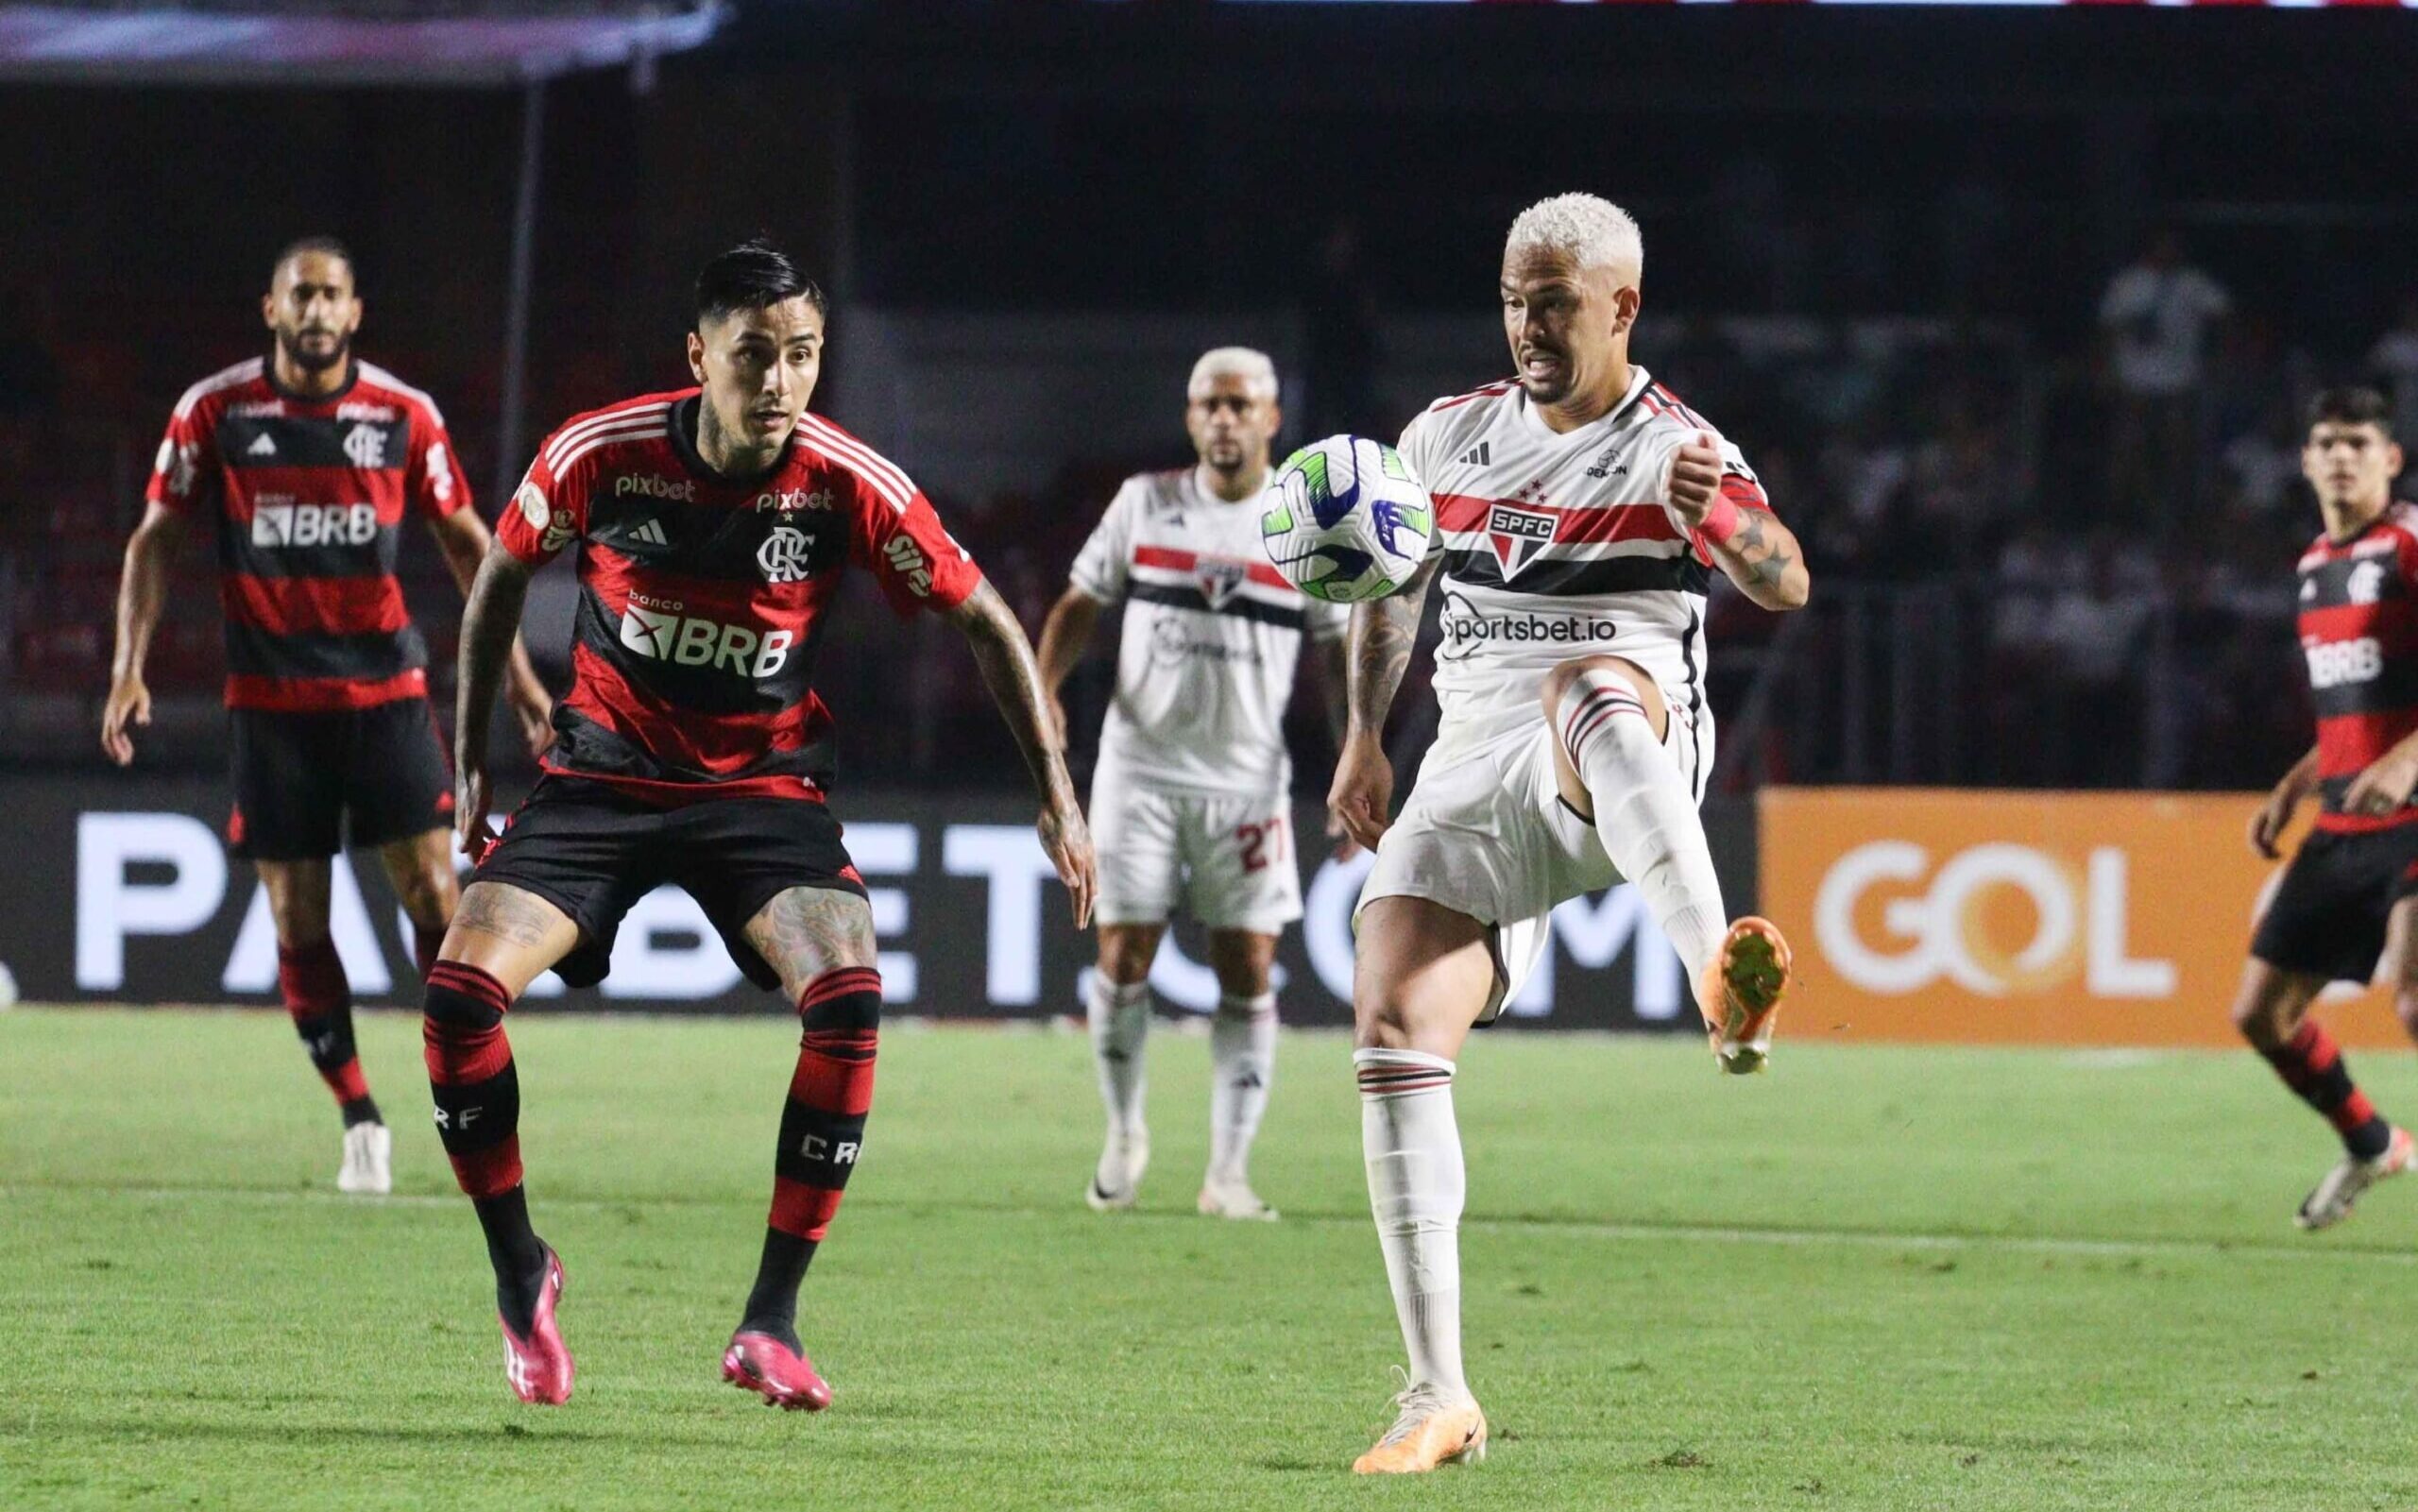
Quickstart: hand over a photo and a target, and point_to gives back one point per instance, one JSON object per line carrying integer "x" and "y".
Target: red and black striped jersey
{"x": 308, "y": 497}
{"x": 2358, "y": 629}
{"x": 701, "y": 598}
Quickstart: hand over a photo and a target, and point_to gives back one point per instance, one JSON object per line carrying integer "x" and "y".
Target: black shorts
{"x": 2328, "y": 916}
{"x": 593, "y": 852}
{"x": 304, "y": 781}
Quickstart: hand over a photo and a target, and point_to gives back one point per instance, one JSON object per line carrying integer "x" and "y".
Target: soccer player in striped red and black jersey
{"x": 713, "y": 526}
{"x": 303, "y": 465}
{"x": 2356, "y": 876}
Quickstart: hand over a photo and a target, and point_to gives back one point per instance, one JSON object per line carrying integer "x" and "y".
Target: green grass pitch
{"x": 1875, "y": 1278}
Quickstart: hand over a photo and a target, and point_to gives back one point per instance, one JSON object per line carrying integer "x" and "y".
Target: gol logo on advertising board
{"x": 2049, "y": 918}
{"x": 1954, "y": 924}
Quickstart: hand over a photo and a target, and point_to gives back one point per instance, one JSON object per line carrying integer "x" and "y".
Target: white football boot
{"x": 1119, "y": 1177}
{"x": 1230, "y": 1196}
{"x": 369, "y": 1167}
{"x": 2331, "y": 1203}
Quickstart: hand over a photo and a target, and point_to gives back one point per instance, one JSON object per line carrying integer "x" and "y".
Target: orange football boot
{"x": 1740, "y": 993}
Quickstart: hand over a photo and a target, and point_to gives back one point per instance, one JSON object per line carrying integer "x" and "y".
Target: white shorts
{"x": 1227, "y": 862}
{"x": 1487, "y": 834}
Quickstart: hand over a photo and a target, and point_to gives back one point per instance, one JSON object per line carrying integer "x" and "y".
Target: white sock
{"x": 1416, "y": 1183}
{"x": 1242, "y": 1063}
{"x": 1644, "y": 813}
{"x": 1120, "y": 1021}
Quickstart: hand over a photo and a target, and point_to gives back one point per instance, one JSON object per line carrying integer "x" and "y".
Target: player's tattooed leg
{"x": 510, "y": 934}
{"x": 809, "y": 931}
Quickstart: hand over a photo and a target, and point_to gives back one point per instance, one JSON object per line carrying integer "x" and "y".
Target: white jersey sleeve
{"x": 1101, "y": 567}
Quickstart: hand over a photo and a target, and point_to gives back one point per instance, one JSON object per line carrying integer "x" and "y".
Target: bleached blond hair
{"x": 1587, "y": 228}
{"x": 1247, "y": 363}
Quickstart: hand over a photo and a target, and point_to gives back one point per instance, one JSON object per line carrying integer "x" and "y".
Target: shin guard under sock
{"x": 822, "y": 1127}
{"x": 311, "y": 978}
{"x": 2312, "y": 1064}
{"x": 477, "y": 1093}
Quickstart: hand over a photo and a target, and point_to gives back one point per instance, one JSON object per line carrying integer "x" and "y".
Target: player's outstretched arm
{"x": 466, "y": 541}
{"x": 141, "y": 592}
{"x": 2267, "y": 826}
{"x": 1750, "y": 546}
{"x": 1378, "y": 646}
{"x": 1065, "y": 636}
{"x": 490, "y": 631}
{"x": 1005, "y": 657}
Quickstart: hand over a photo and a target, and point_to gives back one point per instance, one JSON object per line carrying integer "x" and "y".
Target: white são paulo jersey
{"x": 1212, "y": 633}
{"x": 1556, "y": 546}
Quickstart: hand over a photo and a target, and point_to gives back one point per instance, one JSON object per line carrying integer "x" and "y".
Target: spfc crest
{"x": 1218, "y": 577}
{"x": 1518, "y": 535}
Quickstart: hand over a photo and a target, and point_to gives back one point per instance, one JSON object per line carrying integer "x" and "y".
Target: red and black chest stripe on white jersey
{"x": 312, "y": 496}
{"x": 1206, "y": 583}
{"x": 1525, "y": 546}
{"x": 701, "y": 607}
{"x": 2359, "y": 634}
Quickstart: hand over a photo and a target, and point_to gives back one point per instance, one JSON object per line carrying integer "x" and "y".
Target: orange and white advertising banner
{"x": 2036, "y": 918}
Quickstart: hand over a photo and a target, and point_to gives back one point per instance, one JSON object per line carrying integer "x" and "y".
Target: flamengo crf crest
{"x": 1218, "y": 577}
{"x": 1517, "y": 536}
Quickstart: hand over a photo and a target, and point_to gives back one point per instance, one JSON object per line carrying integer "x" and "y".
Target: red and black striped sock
{"x": 822, "y": 1127}
{"x": 2312, "y": 1064}
{"x": 477, "y": 1092}
{"x": 311, "y": 978}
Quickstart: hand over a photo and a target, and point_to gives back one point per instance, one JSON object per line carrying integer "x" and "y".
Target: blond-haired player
{"x": 1190, "y": 800}
{"x": 1581, "y": 509}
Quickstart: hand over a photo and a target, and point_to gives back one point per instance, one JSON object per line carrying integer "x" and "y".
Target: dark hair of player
{"x": 754, "y": 274}
{"x": 324, "y": 246}
{"x": 2351, "y": 406}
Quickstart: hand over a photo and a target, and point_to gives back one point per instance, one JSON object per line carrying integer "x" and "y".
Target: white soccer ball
{"x": 1345, "y": 521}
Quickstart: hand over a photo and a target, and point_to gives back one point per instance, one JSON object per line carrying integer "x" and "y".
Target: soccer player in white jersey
{"x": 1581, "y": 510}
{"x": 1190, "y": 799}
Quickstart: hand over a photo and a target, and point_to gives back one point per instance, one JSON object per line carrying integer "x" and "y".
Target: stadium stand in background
{"x": 2030, "y": 484}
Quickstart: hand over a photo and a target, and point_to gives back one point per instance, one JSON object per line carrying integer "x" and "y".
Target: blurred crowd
{"x": 2043, "y": 556}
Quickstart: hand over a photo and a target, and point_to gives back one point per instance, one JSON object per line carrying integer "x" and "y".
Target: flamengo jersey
{"x": 309, "y": 495}
{"x": 2358, "y": 627}
{"x": 1212, "y": 633}
{"x": 1560, "y": 545}
{"x": 701, "y": 599}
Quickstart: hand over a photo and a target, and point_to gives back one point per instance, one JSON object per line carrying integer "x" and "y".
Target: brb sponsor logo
{"x": 1994, "y": 919}
{"x": 659, "y": 631}
{"x": 647, "y": 485}
{"x": 292, "y": 524}
{"x": 2335, "y": 663}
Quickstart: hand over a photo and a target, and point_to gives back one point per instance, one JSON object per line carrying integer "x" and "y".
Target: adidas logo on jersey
{"x": 1478, "y": 457}
{"x": 261, "y": 447}
{"x": 650, "y": 533}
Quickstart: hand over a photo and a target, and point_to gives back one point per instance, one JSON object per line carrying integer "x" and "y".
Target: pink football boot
{"x": 539, "y": 1365}
{"x": 784, "y": 1377}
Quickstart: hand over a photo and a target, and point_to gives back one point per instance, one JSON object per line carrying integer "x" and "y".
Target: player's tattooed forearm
{"x": 506, "y": 912}
{"x": 807, "y": 931}
{"x": 490, "y": 626}
{"x": 1005, "y": 660}
{"x": 1385, "y": 632}
{"x": 1335, "y": 669}
{"x": 1766, "y": 559}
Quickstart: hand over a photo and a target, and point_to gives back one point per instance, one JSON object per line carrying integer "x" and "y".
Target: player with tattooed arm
{"x": 1581, "y": 510}
{"x": 713, "y": 525}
